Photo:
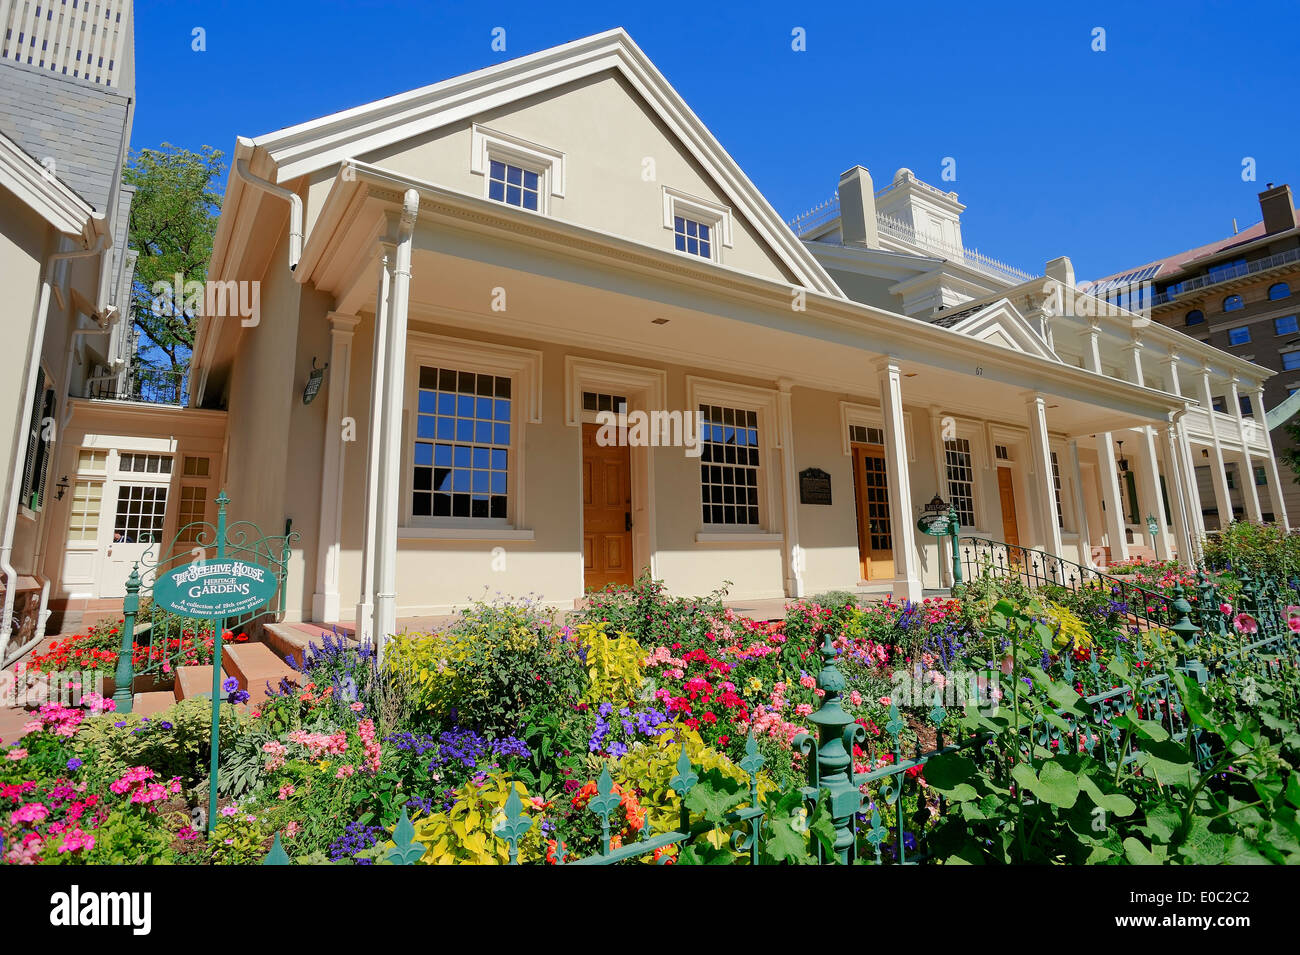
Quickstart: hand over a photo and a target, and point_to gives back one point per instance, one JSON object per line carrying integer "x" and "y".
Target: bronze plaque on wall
{"x": 814, "y": 486}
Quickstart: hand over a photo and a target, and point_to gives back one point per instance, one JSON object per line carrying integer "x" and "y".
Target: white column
{"x": 790, "y": 487}
{"x": 940, "y": 483}
{"x": 1080, "y": 506}
{"x": 907, "y": 563}
{"x": 390, "y": 457}
{"x": 1148, "y": 464}
{"x": 1192, "y": 493}
{"x": 379, "y": 340}
{"x": 1274, "y": 479}
{"x": 325, "y": 600}
{"x": 1177, "y": 498}
{"x": 1041, "y": 450}
{"x": 1218, "y": 473}
{"x": 1249, "y": 493}
{"x": 1112, "y": 502}
{"x": 1111, "y": 498}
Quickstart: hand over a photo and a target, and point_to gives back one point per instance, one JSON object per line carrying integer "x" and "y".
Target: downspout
{"x": 295, "y": 208}
{"x": 98, "y": 247}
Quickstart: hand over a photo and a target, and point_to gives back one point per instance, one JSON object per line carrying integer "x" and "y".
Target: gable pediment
{"x": 1001, "y": 324}
{"x": 596, "y": 101}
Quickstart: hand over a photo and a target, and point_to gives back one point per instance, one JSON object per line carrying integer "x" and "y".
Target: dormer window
{"x": 700, "y": 226}
{"x": 513, "y": 185}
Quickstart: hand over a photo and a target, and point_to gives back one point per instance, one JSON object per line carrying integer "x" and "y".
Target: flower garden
{"x": 1002, "y": 726}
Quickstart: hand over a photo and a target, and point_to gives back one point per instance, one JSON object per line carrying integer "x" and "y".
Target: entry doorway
{"x": 606, "y": 512}
{"x": 1007, "y": 500}
{"x": 875, "y": 525}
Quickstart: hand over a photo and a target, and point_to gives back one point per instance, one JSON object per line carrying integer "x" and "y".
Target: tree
{"x": 1291, "y": 456}
{"x": 173, "y": 220}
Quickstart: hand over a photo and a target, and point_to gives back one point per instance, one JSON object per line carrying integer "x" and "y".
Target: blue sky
{"x": 1113, "y": 158}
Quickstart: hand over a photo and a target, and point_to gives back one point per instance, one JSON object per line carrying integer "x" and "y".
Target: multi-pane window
{"x": 961, "y": 480}
{"x": 1233, "y": 302}
{"x": 1286, "y": 325}
{"x": 1261, "y": 477}
{"x": 194, "y": 502}
{"x": 40, "y": 441}
{"x": 861, "y": 434}
{"x": 140, "y": 512}
{"x": 1056, "y": 488}
{"x": 1244, "y": 402}
{"x": 93, "y": 461}
{"x": 729, "y": 462}
{"x": 1194, "y": 317}
{"x": 598, "y": 401}
{"x": 196, "y": 467}
{"x": 692, "y": 237}
{"x": 1278, "y": 290}
{"x": 1239, "y": 336}
{"x": 1001, "y": 453}
{"x": 1220, "y": 404}
{"x": 1290, "y": 360}
{"x": 84, "y": 522}
{"x": 145, "y": 463}
{"x": 513, "y": 185}
{"x": 462, "y": 445}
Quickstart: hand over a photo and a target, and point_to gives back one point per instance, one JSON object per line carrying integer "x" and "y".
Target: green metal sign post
{"x": 218, "y": 590}
{"x": 939, "y": 520}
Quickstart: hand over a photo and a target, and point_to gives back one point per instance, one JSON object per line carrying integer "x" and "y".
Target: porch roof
{"x": 592, "y": 289}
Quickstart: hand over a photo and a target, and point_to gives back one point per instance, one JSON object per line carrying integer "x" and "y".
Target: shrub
{"x": 613, "y": 664}
{"x": 498, "y": 667}
{"x": 1257, "y": 547}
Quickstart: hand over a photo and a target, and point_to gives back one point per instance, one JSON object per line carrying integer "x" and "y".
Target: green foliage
{"x": 1259, "y": 547}
{"x": 464, "y": 835}
{"x": 498, "y": 667}
{"x": 174, "y": 742}
{"x": 613, "y": 664}
{"x": 650, "y": 616}
{"x": 1146, "y": 800}
{"x": 173, "y": 221}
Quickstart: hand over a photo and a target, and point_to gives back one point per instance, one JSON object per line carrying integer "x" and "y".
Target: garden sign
{"x": 216, "y": 589}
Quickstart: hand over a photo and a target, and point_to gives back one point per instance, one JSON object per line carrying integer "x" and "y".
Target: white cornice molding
{"x": 33, "y": 184}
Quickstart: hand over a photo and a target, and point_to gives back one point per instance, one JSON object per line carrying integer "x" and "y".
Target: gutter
{"x": 99, "y": 246}
{"x": 294, "y": 200}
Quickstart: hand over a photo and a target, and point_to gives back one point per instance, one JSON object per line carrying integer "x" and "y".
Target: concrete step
{"x": 194, "y": 681}
{"x": 147, "y": 704}
{"x": 257, "y": 668}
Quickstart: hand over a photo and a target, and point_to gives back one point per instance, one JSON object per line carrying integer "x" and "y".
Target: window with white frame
{"x": 193, "y": 510}
{"x": 83, "y": 525}
{"x": 1056, "y": 489}
{"x": 961, "y": 479}
{"x": 700, "y": 227}
{"x": 145, "y": 463}
{"x": 729, "y": 466}
{"x": 461, "y": 456}
{"x": 516, "y": 172}
{"x": 865, "y": 434}
{"x": 141, "y": 509}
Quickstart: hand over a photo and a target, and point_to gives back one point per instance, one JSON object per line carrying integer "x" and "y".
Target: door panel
{"x": 875, "y": 524}
{"x": 1007, "y": 499}
{"x": 606, "y": 512}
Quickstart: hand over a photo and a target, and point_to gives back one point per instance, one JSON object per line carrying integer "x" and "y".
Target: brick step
{"x": 257, "y": 669}
{"x": 147, "y": 704}
{"x": 195, "y": 681}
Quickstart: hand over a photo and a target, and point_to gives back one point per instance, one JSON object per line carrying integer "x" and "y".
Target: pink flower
{"x": 16, "y": 754}
{"x": 286, "y": 791}
{"x": 1225, "y": 609}
{"x": 1245, "y": 623}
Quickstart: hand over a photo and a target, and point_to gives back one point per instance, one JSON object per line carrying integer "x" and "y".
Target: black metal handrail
{"x": 1142, "y": 609}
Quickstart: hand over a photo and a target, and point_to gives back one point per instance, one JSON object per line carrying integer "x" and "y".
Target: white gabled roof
{"x": 328, "y": 141}
{"x": 1002, "y": 324}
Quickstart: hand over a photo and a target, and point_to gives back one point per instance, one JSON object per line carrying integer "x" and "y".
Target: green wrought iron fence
{"x": 154, "y": 640}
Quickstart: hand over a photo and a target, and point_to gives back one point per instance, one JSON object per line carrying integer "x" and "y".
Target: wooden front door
{"x": 875, "y": 526}
{"x": 1007, "y": 496}
{"x": 606, "y": 512}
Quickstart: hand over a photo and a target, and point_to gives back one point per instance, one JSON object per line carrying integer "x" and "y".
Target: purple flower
{"x": 74, "y": 764}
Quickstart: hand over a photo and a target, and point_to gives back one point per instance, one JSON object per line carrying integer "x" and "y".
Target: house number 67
{"x": 979, "y": 370}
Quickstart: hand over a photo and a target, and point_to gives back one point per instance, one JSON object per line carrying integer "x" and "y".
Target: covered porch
{"x": 475, "y": 353}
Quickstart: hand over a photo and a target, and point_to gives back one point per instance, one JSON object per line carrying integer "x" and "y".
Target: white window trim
{"x": 707, "y": 391}
{"x": 711, "y": 213}
{"x": 869, "y": 416}
{"x": 489, "y": 144}
{"x": 974, "y": 432}
{"x": 590, "y": 374}
{"x": 524, "y": 367}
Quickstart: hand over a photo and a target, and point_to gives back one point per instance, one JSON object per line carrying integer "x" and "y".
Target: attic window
{"x": 515, "y": 171}
{"x": 699, "y": 227}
